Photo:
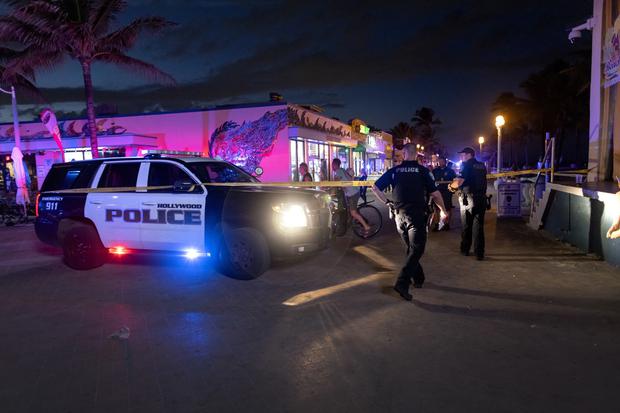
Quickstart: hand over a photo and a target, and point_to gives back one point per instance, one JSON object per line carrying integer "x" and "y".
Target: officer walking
{"x": 472, "y": 181}
{"x": 411, "y": 183}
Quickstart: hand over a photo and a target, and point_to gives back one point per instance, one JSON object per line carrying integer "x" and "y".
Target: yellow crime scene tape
{"x": 319, "y": 184}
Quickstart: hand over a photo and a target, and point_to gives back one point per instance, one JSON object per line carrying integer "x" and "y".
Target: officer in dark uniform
{"x": 411, "y": 183}
{"x": 472, "y": 181}
{"x": 446, "y": 174}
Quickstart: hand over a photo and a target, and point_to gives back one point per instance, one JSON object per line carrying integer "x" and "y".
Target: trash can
{"x": 508, "y": 199}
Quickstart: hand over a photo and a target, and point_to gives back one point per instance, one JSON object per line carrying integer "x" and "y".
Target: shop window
{"x": 342, "y": 153}
{"x": 318, "y": 160}
{"x": 297, "y": 157}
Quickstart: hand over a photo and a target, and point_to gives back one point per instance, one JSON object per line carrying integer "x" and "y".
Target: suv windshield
{"x": 220, "y": 172}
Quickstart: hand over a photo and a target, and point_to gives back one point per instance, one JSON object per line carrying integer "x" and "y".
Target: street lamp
{"x": 422, "y": 148}
{"x": 499, "y": 122}
{"x": 481, "y": 141}
{"x": 417, "y": 146}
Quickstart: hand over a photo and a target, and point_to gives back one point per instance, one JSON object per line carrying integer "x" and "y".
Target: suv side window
{"x": 120, "y": 175}
{"x": 165, "y": 174}
{"x": 78, "y": 175}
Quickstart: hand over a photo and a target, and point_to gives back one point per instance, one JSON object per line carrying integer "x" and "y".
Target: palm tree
{"x": 425, "y": 125}
{"x": 401, "y": 132}
{"x": 51, "y": 30}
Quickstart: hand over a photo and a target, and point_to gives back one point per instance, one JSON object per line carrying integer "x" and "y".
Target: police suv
{"x": 184, "y": 206}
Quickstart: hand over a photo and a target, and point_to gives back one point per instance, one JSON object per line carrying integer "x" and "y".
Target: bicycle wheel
{"x": 373, "y": 218}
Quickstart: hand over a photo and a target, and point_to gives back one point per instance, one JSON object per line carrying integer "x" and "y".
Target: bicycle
{"x": 11, "y": 213}
{"x": 341, "y": 218}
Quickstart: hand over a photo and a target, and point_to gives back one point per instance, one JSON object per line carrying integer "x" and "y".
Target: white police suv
{"x": 181, "y": 206}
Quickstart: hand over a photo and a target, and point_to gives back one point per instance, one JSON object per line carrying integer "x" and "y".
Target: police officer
{"x": 472, "y": 181}
{"x": 411, "y": 183}
{"x": 443, "y": 173}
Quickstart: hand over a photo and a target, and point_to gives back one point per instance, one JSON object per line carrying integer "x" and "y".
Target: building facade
{"x": 275, "y": 136}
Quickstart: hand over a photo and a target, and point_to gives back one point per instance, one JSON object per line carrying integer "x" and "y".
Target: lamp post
{"x": 499, "y": 122}
{"x": 481, "y": 141}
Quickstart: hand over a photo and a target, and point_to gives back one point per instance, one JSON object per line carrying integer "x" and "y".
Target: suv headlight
{"x": 291, "y": 215}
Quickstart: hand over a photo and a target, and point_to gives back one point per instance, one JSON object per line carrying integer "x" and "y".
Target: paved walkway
{"x": 534, "y": 328}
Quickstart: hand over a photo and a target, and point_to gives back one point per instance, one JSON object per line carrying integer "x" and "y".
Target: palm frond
{"x": 42, "y": 36}
{"x": 25, "y": 62}
{"x": 123, "y": 39}
{"x": 105, "y": 12}
{"x": 22, "y": 85}
{"x": 139, "y": 66}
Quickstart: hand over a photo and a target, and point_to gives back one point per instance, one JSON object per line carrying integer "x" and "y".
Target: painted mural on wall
{"x": 68, "y": 129}
{"x": 247, "y": 144}
{"x": 304, "y": 118}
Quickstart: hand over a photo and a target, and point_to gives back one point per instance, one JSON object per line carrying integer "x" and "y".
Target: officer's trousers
{"x": 472, "y": 219}
{"x": 411, "y": 226}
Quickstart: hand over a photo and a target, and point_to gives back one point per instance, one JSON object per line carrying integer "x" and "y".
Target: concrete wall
{"x": 583, "y": 222}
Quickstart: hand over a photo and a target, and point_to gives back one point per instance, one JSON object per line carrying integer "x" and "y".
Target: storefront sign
{"x": 364, "y": 129}
{"x": 612, "y": 54}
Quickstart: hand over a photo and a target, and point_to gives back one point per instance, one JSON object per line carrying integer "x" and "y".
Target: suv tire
{"x": 82, "y": 247}
{"x": 244, "y": 254}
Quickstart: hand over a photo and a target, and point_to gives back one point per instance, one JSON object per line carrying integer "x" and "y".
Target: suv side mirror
{"x": 183, "y": 186}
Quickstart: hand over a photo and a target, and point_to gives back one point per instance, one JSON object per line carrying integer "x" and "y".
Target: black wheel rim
{"x": 242, "y": 255}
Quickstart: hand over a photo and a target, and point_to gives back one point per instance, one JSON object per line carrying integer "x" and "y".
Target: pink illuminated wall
{"x": 255, "y": 136}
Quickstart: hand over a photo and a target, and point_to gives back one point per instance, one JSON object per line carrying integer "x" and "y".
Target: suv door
{"x": 172, "y": 221}
{"x": 117, "y": 215}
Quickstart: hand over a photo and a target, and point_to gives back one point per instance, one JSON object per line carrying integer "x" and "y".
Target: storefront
{"x": 275, "y": 136}
{"x": 317, "y": 140}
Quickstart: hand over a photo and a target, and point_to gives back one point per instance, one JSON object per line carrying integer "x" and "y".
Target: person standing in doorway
{"x": 303, "y": 172}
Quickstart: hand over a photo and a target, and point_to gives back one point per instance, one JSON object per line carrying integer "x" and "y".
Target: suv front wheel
{"x": 244, "y": 253}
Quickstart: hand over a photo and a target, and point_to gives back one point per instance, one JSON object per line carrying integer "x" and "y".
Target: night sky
{"x": 378, "y": 61}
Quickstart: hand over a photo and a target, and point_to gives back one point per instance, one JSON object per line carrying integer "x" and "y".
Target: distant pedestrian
{"x": 363, "y": 177}
{"x": 411, "y": 183}
{"x": 443, "y": 174}
{"x": 472, "y": 181}
{"x": 351, "y": 194}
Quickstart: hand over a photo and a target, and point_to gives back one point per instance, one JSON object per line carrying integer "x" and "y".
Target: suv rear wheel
{"x": 82, "y": 247}
{"x": 244, "y": 253}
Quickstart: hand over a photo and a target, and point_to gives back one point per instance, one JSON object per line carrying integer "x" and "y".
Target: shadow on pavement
{"x": 596, "y": 304}
{"x": 530, "y": 317}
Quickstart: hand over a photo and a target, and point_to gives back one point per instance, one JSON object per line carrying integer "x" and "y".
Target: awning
{"x": 359, "y": 148}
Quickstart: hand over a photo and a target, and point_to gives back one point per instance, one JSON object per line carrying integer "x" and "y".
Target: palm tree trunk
{"x": 90, "y": 108}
